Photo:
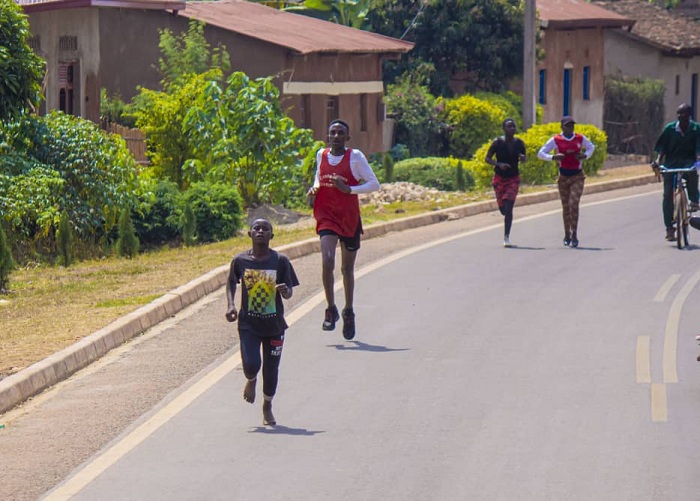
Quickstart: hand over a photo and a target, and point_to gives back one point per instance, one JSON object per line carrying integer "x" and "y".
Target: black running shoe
{"x": 574, "y": 242}
{"x": 348, "y": 324}
{"x": 331, "y": 318}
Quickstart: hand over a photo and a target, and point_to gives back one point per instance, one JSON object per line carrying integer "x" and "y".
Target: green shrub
{"x": 7, "y": 264}
{"x": 388, "y": 168}
{"x": 471, "y": 122}
{"x": 218, "y": 209}
{"x": 410, "y": 103}
{"x": 65, "y": 240}
{"x": 634, "y": 113}
{"x": 536, "y": 171}
{"x": 128, "y": 242}
{"x": 156, "y": 219}
{"x": 188, "y": 225}
{"x": 432, "y": 172}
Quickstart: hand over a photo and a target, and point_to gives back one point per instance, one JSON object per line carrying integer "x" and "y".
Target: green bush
{"x": 471, "y": 122}
{"x": 188, "y": 225}
{"x": 65, "y": 240}
{"x": 218, "y": 209}
{"x": 634, "y": 114}
{"x": 536, "y": 171}
{"x": 410, "y": 103}
{"x": 511, "y": 104}
{"x": 388, "y": 168}
{"x": 432, "y": 172}
{"x": 7, "y": 264}
{"x": 156, "y": 218}
{"x": 128, "y": 243}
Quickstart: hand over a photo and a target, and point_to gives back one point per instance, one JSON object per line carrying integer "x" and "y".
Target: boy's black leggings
{"x": 251, "y": 344}
{"x": 507, "y": 210}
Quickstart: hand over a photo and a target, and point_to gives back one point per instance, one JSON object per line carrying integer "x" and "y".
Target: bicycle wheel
{"x": 681, "y": 220}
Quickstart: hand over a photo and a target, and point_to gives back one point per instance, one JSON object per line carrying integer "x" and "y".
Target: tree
{"x": 189, "y": 54}
{"x": 241, "y": 135}
{"x": 478, "y": 42}
{"x": 346, "y": 12}
{"x": 21, "y": 70}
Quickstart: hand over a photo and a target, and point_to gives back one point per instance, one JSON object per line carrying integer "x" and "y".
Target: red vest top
{"x": 569, "y": 147}
{"x": 333, "y": 209}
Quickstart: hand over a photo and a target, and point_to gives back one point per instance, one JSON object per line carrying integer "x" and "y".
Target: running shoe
{"x": 506, "y": 241}
{"x": 331, "y": 318}
{"x": 348, "y": 323}
{"x": 670, "y": 234}
{"x": 574, "y": 242}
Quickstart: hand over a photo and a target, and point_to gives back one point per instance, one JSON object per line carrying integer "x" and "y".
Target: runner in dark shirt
{"x": 267, "y": 278}
{"x": 509, "y": 151}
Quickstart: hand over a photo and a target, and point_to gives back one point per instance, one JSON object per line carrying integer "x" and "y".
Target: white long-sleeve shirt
{"x": 359, "y": 166}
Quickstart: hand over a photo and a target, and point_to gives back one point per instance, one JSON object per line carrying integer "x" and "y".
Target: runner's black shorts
{"x": 351, "y": 243}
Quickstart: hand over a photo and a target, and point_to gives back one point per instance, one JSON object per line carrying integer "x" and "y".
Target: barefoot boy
{"x": 267, "y": 277}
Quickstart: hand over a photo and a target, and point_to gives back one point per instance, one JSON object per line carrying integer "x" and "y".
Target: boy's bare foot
{"x": 268, "y": 417}
{"x": 249, "y": 391}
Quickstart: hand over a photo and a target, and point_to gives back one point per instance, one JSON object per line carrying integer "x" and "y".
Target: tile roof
{"x": 302, "y": 34}
{"x": 572, "y": 14}
{"x": 672, "y": 33}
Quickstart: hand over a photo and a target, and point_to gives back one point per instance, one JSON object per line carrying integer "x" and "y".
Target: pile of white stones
{"x": 400, "y": 192}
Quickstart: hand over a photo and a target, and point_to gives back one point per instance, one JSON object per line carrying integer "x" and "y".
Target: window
{"x": 331, "y": 109}
{"x": 363, "y": 112}
{"x": 306, "y": 111}
{"x": 566, "y": 104}
{"x": 68, "y": 43}
{"x": 678, "y": 84}
{"x": 586, "y": 83}
{"x": 543, "y": 87}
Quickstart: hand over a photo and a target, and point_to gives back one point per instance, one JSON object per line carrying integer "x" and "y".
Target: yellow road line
{"x": 643, "y": 359}
{"x": 670, "y": 354}
{"x": 659, "y": 403}
{"x": 666, "y": 288}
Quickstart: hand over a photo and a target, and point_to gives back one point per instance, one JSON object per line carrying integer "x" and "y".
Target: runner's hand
{"x": 232, "y": 314}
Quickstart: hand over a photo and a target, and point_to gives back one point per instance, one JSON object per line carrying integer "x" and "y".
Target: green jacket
{"x": 680, "y": 150}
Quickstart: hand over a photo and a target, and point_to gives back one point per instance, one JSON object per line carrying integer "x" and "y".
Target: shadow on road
{"x": 523, "y": 247}
{"x": 284, "y": 430}
{"x": 359, "y": 345}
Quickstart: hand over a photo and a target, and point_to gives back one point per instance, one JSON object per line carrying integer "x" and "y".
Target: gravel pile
{"x": 400, "y": 192}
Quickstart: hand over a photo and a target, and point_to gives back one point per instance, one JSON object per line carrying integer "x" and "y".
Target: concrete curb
{"x": 28, "y": 382}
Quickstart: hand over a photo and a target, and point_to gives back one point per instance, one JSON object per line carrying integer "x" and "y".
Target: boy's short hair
{"x": 503, "y": 124}
{"x": 340, "y": 122}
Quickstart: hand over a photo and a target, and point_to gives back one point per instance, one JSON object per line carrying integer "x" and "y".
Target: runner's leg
{"x": 328, "y": 245}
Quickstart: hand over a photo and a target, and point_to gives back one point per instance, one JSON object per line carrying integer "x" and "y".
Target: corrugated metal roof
{"x": 300, "y": 33}
{"x": 670, "y": 32}
{"x": 571, "y": 14}
{"x": 45, "y": 5}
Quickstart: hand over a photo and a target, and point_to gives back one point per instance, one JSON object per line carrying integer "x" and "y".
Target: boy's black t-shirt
{"x": 508, "y": 153}
{"x": 262, "y": 309}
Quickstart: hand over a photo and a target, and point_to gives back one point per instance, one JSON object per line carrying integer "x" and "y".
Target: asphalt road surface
{"x": 538, "y": 372}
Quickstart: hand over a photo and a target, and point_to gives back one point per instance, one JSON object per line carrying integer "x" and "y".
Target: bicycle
{"x": 681, "y": 212}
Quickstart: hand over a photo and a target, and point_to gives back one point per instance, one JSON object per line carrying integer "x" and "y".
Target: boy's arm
{"x": 288, "y": 277}
{"x": 231, "y": 312}
{"x": 317, "y": 180}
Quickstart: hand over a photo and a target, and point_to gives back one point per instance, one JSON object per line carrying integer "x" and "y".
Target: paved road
{"x": 538, "y": 372}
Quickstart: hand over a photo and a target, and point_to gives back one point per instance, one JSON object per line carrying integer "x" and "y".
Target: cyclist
{"x": 678, "y": 146}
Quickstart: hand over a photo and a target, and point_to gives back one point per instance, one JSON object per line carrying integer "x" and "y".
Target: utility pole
{"x": 529, "y": 65}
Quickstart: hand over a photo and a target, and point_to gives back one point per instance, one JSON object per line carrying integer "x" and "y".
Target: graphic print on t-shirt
{"x": 260, "y": 285}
